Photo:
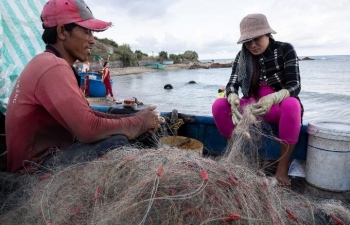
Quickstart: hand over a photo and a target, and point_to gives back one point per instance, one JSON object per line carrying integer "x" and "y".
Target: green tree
{"x": 125, "y": 58}
{"x": 125, "y": 48}
{"x": 181, "y": 56}
{"x": 191, "y": 55}
{"x": 139, "y": 54}
{"x": 125, "y": 55}
{"x": 175, "y": 58}
{"x": 162, "y": 56}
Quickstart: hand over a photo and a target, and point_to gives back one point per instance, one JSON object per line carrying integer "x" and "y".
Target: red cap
{"x": 61, "y": 12}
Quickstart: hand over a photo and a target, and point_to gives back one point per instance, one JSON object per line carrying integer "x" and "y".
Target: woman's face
{"x": 258, "y": 45}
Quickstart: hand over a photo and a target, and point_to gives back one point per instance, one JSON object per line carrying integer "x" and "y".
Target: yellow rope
{"x": 177, "y": 125}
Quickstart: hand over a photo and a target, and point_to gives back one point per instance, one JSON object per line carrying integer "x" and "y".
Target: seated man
{"x": 48, "y": 119}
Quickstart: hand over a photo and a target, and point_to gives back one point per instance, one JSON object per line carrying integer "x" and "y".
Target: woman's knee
{"x": 220, "y": 106}
{"x": 221, "y": 110}
{"x": 290, "y": 105}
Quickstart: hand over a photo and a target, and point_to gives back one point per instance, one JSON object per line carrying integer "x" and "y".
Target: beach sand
{"x": 142, "y": 69}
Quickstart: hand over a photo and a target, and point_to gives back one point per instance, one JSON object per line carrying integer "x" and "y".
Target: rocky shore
{"x": 143, "y": 69}
{"x": 306, "y": 58}
{"x": 210, "y": 65}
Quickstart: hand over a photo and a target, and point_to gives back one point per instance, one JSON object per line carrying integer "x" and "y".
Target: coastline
{"x": 143, "y": 69}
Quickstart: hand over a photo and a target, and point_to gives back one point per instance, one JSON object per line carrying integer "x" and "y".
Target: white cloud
{"x": 211, "y": 28}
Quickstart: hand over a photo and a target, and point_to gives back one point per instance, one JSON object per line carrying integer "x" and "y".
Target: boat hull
{"x": 158, "y": 66}
{"x": 203, "y": 129}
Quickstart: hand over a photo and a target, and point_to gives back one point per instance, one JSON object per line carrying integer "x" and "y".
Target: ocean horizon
{"x": 325, "y": 88}
{"x": 316, "y": 57}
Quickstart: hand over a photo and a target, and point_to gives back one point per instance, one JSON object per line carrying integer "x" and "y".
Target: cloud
{"x": 212, "y": 28}
{"x": 173, "y": 45}
{"x": 135, "y": 9}
{"x": 170, "y": 44}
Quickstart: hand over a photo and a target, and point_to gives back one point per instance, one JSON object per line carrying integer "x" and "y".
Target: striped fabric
{"x": 20, "y": 41}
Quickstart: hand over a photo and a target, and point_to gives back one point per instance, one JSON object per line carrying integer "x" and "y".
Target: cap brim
{"x": 95, "y": 24}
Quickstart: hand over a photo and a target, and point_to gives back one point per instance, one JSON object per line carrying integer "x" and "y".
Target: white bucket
{"x": 328, "y": 155}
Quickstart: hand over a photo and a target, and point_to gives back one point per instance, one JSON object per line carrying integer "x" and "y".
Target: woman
{"x": 221, "y": 93}
{"x": 106, "y": 79}
{"x": 267, "y": 72}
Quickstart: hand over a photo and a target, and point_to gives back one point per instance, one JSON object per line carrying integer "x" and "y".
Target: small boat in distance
{"x": 168, "y": 62}
{"x": 158, "y": 66}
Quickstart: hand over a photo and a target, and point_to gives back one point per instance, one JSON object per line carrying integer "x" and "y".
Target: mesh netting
{"x": 166, "y": 186}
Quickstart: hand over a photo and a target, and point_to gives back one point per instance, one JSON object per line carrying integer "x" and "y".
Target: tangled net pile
{"x": 167, "y": 186}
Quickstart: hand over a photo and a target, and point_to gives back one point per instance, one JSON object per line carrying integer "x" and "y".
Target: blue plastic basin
{"x": 96, "y": 87}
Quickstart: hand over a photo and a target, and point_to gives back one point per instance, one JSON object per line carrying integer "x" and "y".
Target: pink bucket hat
{"x": 61, "y": 12}
{"x": 252, "y": 26}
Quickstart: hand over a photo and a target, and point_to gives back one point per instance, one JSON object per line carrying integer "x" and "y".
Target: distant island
{"x": 306, "y": 58}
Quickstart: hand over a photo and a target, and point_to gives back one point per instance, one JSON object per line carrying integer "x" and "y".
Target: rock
{"x": 307, "y": 58}
{"x": 168, "y": 86}
{"x": 221, "y": 65}
{"x": 199, "y": 66}
{"x": 210, "y": 65}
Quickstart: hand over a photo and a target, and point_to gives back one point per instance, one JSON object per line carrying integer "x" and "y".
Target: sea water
{"x": 325, "y": 88}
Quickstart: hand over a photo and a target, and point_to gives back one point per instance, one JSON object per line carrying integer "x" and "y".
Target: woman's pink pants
{"x": 286, "y": 115}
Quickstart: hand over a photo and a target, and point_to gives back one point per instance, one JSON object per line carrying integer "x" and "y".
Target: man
{"x": 47, "y": 113}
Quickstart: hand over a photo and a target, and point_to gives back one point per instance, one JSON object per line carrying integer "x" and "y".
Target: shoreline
{"x": 143, "y": 69}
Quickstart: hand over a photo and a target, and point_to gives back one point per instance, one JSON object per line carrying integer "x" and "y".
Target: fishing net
{"x": 165, "y": 185}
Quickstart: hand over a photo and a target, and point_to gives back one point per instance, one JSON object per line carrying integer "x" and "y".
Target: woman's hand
{"x": 233, "y": 100}
{"x": 265, "y": 103}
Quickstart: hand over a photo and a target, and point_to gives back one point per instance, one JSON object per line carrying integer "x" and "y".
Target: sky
{"x": 211, "y": 28}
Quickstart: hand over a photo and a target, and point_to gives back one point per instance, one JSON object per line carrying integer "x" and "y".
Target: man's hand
{"x": 152, "y": 119}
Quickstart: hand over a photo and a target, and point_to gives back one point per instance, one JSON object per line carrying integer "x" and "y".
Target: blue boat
{"x": 203, "y": 129}
{"x": 158, "y": 66}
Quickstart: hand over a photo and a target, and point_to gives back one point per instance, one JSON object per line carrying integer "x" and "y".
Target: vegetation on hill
{"x": 107, "y": 49}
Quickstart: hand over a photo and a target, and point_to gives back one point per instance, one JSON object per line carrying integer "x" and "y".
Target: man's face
{"x": 78, "y": 44}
